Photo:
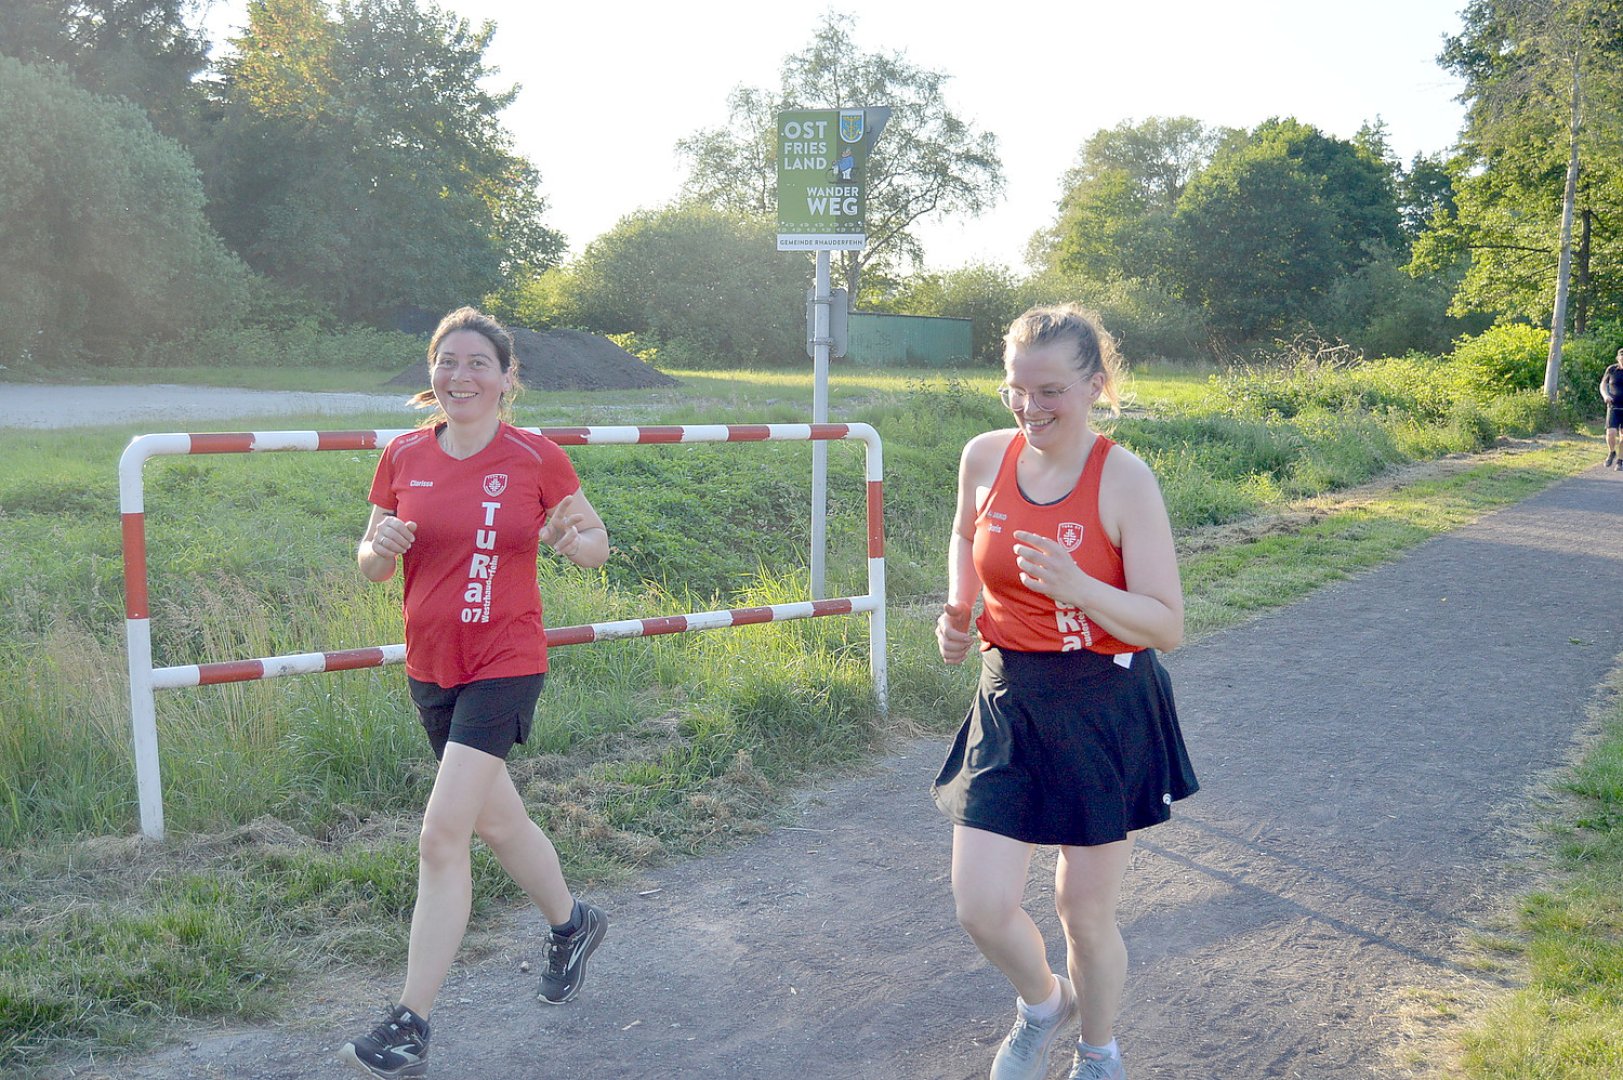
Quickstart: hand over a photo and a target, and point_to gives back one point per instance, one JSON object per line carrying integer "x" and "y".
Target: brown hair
{"x": 469, "y": 318}
{"x": 1095, "y": 349}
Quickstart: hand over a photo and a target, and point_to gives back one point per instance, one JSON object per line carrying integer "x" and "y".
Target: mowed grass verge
{"x": 1562, "y": 946}
{"x": 292, "y": 803}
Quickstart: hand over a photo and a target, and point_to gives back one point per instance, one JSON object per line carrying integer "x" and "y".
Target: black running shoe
{"x": 566, "y": 956}
{"x": 396, "y": 1047}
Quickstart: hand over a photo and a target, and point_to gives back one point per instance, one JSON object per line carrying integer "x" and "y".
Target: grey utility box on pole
{"x": 839, "y": 322}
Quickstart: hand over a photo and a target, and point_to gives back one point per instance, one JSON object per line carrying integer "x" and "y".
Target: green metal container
{"x": 882, "y": 341}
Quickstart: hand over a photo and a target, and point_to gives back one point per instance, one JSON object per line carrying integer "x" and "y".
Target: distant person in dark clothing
{"x": 1611, "y": 388}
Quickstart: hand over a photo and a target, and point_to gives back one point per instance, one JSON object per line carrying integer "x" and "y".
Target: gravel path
{"x": 32, "y": 406}
{"x": 1370, "y": 757}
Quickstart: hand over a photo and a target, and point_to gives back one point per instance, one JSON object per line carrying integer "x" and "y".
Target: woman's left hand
{"x": 561, "y": 532}
{"x": 1046, "y": 567}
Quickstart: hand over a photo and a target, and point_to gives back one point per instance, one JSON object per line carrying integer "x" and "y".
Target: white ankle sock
{"x": 1046, "y": 1008}
{"x": 1109, "y": 1051}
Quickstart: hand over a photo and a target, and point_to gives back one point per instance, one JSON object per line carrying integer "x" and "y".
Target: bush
{"x": 1512, "y": 359}
{"x": 1147, "y": 321}
{"x": 1584, "y": 360}
{"x": 1520, "y": 415}
{"x": 105, "y": 238}
{"x": 540, "y": 302}
{"x": 1307, "y": 374}
{"x": 714, "y": 281}
{"x": 1470, "y": 426}
{"x": 1220, "y": 445}
{"x": 1382, "y": 310}
{"x": 1151, "y": 323}
{"x": 300, "y": 344}
{"x": 1503, "y": 359}
{"x": 678, "y": 354}
{"x": 1340, "y": 449}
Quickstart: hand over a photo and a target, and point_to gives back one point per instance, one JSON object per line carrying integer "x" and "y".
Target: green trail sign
{"x": 822, "y": 177}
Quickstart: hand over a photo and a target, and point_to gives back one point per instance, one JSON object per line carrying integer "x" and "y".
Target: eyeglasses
{"x": 1044, "y": 399}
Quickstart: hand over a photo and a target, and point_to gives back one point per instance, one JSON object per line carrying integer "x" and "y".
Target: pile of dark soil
{"x": 564, "y": 360}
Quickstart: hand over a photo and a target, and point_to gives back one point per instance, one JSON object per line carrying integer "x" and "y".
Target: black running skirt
{"x": 1067, "y": 748}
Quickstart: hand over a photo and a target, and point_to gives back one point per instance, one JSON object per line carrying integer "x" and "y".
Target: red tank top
{"x": 1014, "y": 617}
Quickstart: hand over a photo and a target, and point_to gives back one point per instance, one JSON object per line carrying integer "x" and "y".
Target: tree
{"x": 734, "y": 169}
{"x": 1116, "y": 212}
{"x": 1542, "y": 82}
{"x": 929, "y": 163}
{"x": 1254, "y": 243}
{"x": 405, "y": 189}
{"x": 1502, "y": 233}
{"x": 1252, "y": 227}
{"x": 101, "y": 220}
{"x": 145, "y": 51}
{"x": 1425, "y": 191}
{"x": 1356, "y": 184}
{"x": 1280, "y": 213}
{"x": 1383, "y": 310}
{"x": 698, "y": 281}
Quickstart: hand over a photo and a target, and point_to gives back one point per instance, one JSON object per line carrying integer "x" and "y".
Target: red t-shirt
{"x": 473, "y": 608}
{"x": 1015, "y": 617}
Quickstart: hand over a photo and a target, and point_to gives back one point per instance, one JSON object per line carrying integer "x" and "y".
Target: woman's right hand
{"x": 953, "y": 633}
{"x": 393, "y": 537}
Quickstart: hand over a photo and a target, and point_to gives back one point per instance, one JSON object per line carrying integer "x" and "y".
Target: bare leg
{"x": 524, "y": 850}
{"x": 1613, "y": 437}
{"x": 1087, "y": 887}
{"x": 444, "y": 875}
{"x": 988, "y": 884}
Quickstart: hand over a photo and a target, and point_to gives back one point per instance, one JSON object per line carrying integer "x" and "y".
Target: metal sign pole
{"x": 821, "y": 342}
{"x": 822, "y": 167}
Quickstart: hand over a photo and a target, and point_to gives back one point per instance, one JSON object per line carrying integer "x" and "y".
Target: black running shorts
{"x": 1614, "y": 416}
{"x": 487, "y": 714}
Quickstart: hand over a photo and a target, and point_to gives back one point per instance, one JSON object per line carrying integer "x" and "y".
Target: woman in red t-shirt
{"x": 464, "y": 503}
{"x": 1073, "y": 739}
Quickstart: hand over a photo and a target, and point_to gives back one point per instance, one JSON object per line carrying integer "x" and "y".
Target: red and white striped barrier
{"x": 145, "y": 679}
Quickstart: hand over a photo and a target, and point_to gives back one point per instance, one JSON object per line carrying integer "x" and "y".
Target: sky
{"x": 607, "y": 88}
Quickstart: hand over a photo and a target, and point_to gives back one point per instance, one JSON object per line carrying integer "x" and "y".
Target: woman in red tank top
{"x": 1073, "y": 737}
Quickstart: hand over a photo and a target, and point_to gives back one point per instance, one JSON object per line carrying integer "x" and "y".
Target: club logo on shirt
{"x": 495, "y": 484}
{"x": 1070, "y": 535}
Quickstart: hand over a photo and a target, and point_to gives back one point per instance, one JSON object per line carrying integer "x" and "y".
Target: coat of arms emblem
{"x": 851, "y": 125}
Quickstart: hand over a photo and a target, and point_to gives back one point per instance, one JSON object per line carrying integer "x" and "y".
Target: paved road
{"x": 1370, "y": 756}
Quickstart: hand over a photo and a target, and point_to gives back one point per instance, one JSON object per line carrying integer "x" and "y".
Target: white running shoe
{"x": 1024, "y": 1053}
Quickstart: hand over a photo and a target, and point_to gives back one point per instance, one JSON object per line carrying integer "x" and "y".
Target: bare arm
{"x": 1149, "y": 611}
{"x": 385, "y": 540}
{"x": 952, "y": 630}
{"x": 574, "y": 530}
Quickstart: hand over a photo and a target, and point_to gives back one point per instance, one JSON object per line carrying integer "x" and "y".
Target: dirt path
{"x": 1369, "y": 757}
